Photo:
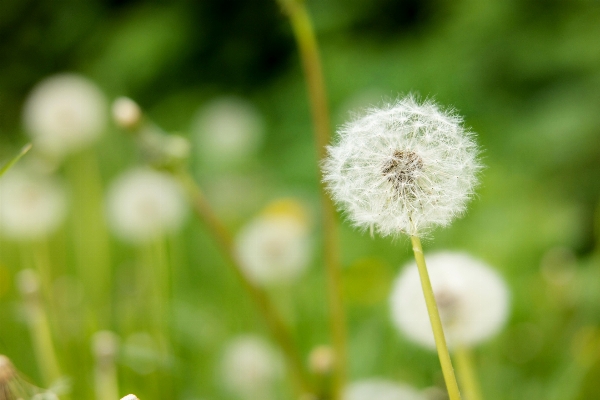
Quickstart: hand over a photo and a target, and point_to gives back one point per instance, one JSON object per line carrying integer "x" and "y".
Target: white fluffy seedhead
{"x": 380, "y": 389}
{"x": 31, "y": 207}
{"x": 65, "y": 113}
{"x": 404, "y": 168}
{"x": 144, "y": 204}
{"x": 250, "y": 367}
{"x": 472, "y": 300}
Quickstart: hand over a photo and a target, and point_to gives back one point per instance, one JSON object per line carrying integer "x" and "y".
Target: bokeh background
{"x": 524, "y": 74}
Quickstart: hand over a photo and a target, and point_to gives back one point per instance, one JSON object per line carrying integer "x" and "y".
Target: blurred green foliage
{"x": 526, "y": 76}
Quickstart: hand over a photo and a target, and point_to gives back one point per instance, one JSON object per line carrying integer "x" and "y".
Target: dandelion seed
{"x": 380, "y": 389}
{"x": 64, "y": 113}
{"x": 275, "y": 248}
{"x": 405, "y": 168}
{"x": 472, "y": 300}
{"x": 144, "y": 204}
{"x": 250, "y": 367}
{"x": 30, "y": 207}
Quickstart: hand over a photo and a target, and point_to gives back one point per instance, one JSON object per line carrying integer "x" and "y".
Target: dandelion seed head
{"x": 380, "y": 389}
{"x": 250, "y": 366}
{"x": 404, "y": 168}
{"x": 472, "y": 300}
{"x": 229, "y": 129}
{"x": 31, "y": 207}
{"x": 64, "y": 113}
{"x": 143, "y": 204}
{"x": 7, "y": 370}
{"x": 275, "y": 248}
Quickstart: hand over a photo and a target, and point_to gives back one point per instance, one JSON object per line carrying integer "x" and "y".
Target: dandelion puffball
{"x": 250, "y": 366}
{"x": 380, "y": 389}
{"x": 405, "y": 168}
{"x": 144, "y": 204}
{"x": 472, "y": 300}
{"x": 65, "y": 113}
{"x": 274, "y": 248}
{"x": 228, "y": 129}
{"x": 30, "y": 207}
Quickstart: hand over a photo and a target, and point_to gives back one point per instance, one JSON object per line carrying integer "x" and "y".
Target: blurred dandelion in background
{"x": 250, "y": 368}
{"x": 472, "y": 299}
{"x": 65, "y": 113}
{"x": 381, "y": 389}
{"x": 31, "y": 206}
{"x": 143, "y": 205}
{"x": 228, "y": 130}
{"x": 275, "y": 247}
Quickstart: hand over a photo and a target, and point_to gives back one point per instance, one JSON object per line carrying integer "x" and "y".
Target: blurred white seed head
{"x": 126, "y": 113}
{"x": 64, "y": 113}
{"x": 404, "y": 168}
{"x": 31, "y": 207}
{"x": 229, "y": 129}
{"x": 275, "y": 248}
{"x": 250, "y": 367}
{"x": 144, "y": 204}
{"x": 380, "y": 389}
{"x": 7, "y": 371}
{"x": 130, "y": 397}
{"x": 472, "y": 300}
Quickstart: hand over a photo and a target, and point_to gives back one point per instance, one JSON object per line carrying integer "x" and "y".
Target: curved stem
{"x": 466, "y": 373}
{"x": 436, "y": 322}
{"x": 309, "y": 53}
{"x": 278, "y": 328}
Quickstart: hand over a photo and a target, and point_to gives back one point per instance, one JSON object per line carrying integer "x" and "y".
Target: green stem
{"x": 14, "y": 160}
{"x": 278, "y": 328}
{"x": 309, "y": 53}
{"x": 465, "y": 369}
{"x": 436, "y": 322}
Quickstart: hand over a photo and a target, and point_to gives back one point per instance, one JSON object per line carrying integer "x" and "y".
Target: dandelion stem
{"x": 466, "y": 372}
{"x": 309, "y": 53}
{"x": 16, "y": 158}
{"x": 278, "y": 328}
{"x": 436, "y": 322}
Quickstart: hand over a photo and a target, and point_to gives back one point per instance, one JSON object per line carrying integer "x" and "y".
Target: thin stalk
{"x": 14, "y": 160}
{"x": 465, "y": 369}
{"x": 436, "y": 322}
{"x": 278, "y": 328}
{"x": 309, "y": 53}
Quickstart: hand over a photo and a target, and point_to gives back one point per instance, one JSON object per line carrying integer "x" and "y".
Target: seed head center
{"x": 402, "y": 169}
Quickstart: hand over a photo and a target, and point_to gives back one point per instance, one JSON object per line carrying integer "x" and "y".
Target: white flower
{"x": 229, "y": 129}
{"x": 380, "y": 389}
{"x": 30, "y": 207}
{"x": 404, "y": 168}
{"x": 275, "y": 247}
{"x": 144, "y": 204}
{"x": 65, "y": 113}
{"x": 472, "y": 300}
{"x": 250, "y": 367}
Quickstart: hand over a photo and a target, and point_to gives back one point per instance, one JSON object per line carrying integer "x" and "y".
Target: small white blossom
{"x": 250, "y": 367}
{"x": 31, "y": 207}
{"x": 405, "y": 168}
{"x": 144, "y": 204}
{"x": 472, "y": 300}
{"x": 229, "y": 129}
{"x": 380, "y": 389}
{"x": 275, "y": 247}
{"x": 65, "y": 113}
